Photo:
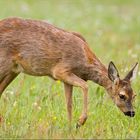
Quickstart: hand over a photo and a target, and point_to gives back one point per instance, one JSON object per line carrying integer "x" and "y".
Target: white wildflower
{"x": 39, "y": 107}
{"x": 134, "y": 56}
{"x": 24, "y": 7}
{"x": 126, "y": 69}
{"x": 15, "y": 103}
{"x": 130, "y": 51}
{"x": 35, "y": 104}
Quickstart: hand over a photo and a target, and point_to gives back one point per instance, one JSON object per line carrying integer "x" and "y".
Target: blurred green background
{"x": 34, "y": 107}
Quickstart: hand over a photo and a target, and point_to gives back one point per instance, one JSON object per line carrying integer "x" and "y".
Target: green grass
{"x": 34, "y": 107}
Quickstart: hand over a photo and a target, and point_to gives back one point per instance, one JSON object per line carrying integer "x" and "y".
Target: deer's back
{"x": 38, "y": 46}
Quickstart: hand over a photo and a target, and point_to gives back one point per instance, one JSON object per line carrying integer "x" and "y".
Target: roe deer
{"x": 41, "y": 49}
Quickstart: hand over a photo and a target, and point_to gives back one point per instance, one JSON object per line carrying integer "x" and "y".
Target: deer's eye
{"x": 122, "y": 96}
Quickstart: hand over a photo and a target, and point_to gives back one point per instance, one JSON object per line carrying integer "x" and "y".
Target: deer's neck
{"x": 98, "y": 73}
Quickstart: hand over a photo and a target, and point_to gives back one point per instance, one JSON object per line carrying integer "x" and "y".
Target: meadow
{"x": 34, "y": 107}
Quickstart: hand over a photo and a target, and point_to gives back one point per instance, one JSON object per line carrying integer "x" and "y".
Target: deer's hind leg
{"x": 6, "y": 72}
{"x": 6, "y": 80}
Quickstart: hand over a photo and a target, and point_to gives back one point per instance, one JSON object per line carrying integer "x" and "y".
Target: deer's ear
{"x": 132, "y": 73}
{"x": 113, "y": 73}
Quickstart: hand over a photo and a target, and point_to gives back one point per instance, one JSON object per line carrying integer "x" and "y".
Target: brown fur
{"x": 38, "y": 48}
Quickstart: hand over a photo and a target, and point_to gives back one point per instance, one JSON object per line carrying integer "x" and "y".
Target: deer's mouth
{"x": 130, "y": 113}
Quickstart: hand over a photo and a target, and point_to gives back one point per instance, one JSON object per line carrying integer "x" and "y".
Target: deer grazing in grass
{"x": 41, "y": 49}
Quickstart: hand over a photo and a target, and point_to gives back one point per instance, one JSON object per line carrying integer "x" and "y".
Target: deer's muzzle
{"x": 130, "y": 113}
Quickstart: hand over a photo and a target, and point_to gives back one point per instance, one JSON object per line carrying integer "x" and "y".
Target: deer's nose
{"x": 130, "y": 113}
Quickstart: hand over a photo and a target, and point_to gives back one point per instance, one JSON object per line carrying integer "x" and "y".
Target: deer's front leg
{"x": 72, "y": 79}
{"x": 68, "y": 94}
{"x": 83, "y": 116}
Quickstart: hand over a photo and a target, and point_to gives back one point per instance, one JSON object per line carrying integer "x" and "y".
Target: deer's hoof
{"x": 78, "y": 125}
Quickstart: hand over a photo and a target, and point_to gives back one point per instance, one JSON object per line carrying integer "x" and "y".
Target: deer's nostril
{"x": 130, "y": 113}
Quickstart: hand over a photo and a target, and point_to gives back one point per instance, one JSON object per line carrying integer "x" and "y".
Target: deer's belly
{"x": 36, "y": 66}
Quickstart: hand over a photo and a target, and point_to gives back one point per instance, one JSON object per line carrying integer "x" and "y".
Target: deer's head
{"x": 123, "y": 94}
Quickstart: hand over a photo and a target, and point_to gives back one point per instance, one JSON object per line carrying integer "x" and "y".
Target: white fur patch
{"x": 122, "y": 92}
